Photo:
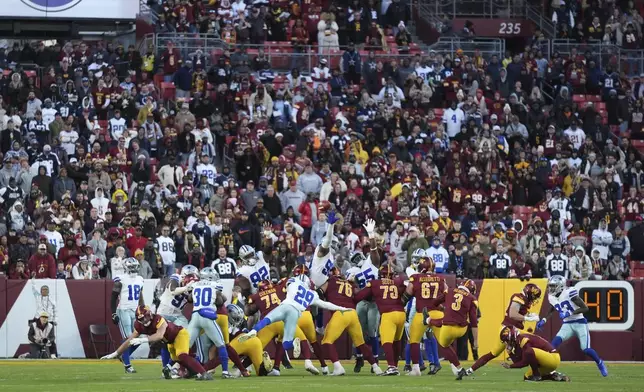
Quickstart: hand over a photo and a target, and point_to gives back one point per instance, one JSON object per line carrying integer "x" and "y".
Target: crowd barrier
{"x": 80, "y": 304}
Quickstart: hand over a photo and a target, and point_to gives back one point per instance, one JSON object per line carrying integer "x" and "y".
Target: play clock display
{"x": 611, "y": 304}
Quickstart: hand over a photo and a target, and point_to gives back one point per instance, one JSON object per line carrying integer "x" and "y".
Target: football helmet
{"x": 235, "y": 315}
{"x": 264, "y": 285}
{"x": 556, "y": 284}
{"x": 532, "y": 292}
{"x": 416, "y": 256}
{"x": 470, "y": 285}
{"x": 509, "y": 335}
{"x": 426, "y": 265}
{"x": 357, "y": 259}
{"x": 131, "y": 265}
{"x": 335, "y": 271}
{"x": 247, "y": 255}
{"x": 144, "y": 315}
{"x": 386, "y": 271}
{"x": 209, "y": 273}
{"x": 300, "y": 269}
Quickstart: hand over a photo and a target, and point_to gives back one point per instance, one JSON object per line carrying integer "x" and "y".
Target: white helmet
{"x": 556, "y": 284}
{"x": 131, "y": 265}
{"x": 335, "y": 244}
{"x": 209, "y": 273}
{"x": 247, "y": 255}
{"x": 357, "y": 259}
{"x": 417, "y": 255}
{"x": 188, "y": 270}
{"x": 235, "y": 315}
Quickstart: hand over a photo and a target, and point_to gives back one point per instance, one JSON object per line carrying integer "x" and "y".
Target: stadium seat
{"x": 100, "y": 334}
{"x": 578, "y": 98}
{"x": 593, "y": 98}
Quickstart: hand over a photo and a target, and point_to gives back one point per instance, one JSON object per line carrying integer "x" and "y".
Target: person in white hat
{"x": 321, "y": 74}
{"x": 42, "y": 343}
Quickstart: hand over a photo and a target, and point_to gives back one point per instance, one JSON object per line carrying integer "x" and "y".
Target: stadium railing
{"x": 629, "y": 61}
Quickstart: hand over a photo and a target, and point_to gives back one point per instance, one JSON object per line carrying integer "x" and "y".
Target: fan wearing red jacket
{"x": 170, "y": 59}
{"x": 42, "y": 265}
{"x": 137, "y": 241}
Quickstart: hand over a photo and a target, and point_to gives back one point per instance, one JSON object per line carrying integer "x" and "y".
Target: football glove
{"x": 541, "y": 323}
{"x": 370, "y": 227}
{"x": 331, "y": 218}
{"x": 115, "y": 318}
{"x": 110, "y": 356}
{"x": 531, "y": 317}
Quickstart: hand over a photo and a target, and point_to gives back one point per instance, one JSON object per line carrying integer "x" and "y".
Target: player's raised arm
{"x": 328, "y": 237}
{"x": 141, "y": 300}
{"x": 370, "y": 227}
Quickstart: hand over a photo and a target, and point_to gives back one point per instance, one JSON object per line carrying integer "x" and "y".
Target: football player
{"x": 515, "y": 315}
{"x": 362, "y": 271}
{"x": 340, "y": 292}
{"x": 254, "y": 267}
{"x": 171, "y": 304}
{"x": 158, "y": 329}
{"x": 531, "y": 350}
{"x": 324, "y": 255}
{"x": 571, "y": 309}
{"x": 267, "y": 298}
{"x": 460, "y": 310}
{"x": 387, "y": 294}
{"x": 307, "y": 325}
{"x": 127, "y": 294}
{"x": 299, "y": 297}
{"x": 252, "y": 348}
{"x": 428, "y": 290}
{"x": 410, "y": 310}
{"x": 206, "y": 296}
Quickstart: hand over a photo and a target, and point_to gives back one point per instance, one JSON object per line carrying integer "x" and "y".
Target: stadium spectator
{"x": 42, "y": 339}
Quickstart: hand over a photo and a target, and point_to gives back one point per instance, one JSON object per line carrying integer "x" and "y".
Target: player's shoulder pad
{"x": 160, "y": 321}
{"x": 518, "y": 298}
{"x": 175, "y": 277}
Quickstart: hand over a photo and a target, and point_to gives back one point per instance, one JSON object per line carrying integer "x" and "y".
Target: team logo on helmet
{"x": 532, "y": 292}
{"x": 470, "y": 285}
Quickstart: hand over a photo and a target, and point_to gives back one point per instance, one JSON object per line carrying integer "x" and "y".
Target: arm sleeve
{"x": 474, "y": 322}
{"x": 114, "y": 301}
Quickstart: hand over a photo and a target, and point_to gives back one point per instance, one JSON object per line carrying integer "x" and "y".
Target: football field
{"x": 98, "y": 376}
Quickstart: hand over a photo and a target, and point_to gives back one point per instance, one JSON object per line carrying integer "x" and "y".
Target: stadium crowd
{"x": 498, "y": 166}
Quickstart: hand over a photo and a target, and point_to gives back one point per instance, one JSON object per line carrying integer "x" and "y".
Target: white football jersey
{"x": 131, "y": 286}
{"x": 209, "y": 171}
{"x": 364, "y": 274}
{"x": 204, "y": 293}
{"x": 166, "y": 250}
{"x": 256, "y": 273}
{"x": 56, "y": 239}
{"x": 320, "y": 267}
{"x": 299, "y": 295}
{"x": 172, "y": 305}
{"x": 117, "y": 127}
{"x": 563, "y": 303}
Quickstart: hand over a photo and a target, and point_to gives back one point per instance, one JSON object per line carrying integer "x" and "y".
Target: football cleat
{"x": 167, "y": 372}
{"x": 236, "y": 373}
{"x": 415, "y": 371}
{"x": 602, "y": 368}
{"x": 461, "y": 373}
{"x": 359, "y": 364}
{"x": 324, "y": 370}
{"x": 433, "y": 369}
{"x": 274, "y": 372}
{"x": 308, "y": 366}
{"x": 204, "y": 377}
{"x": 454, "y": 369}
{"x": 267, "y": 361}
{"x": 391, "y": 371}
{"x": 338, "y": 371}
{"x": 375, "y": 369}
{"x": 407, "y": 368}
{"x": 227, "y": 375}
{"x": 423, "y": 367}
{"x": 286, "y": 361}
{"x": 557, "y": 376}
{"x": 297, "y": 348}
{"x": 130, "y": 369}
{"x": 533, "y": 378}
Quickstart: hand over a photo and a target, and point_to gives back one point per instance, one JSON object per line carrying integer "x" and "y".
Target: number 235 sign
{"x": 497, "y": 27}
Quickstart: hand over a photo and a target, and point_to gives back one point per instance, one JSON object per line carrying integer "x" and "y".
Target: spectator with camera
{"x": 42, "y": 339}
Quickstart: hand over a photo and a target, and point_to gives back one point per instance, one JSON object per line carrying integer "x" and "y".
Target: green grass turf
{"x": 97, "y": 376}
